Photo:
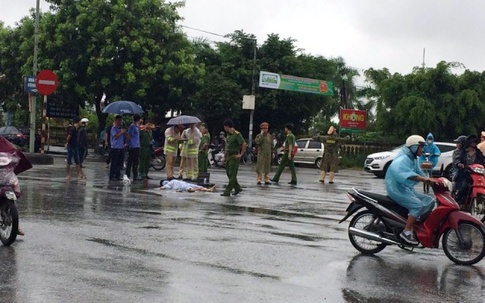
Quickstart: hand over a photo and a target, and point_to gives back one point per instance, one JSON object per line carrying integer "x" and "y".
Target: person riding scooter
{"x": 401, "y": 177}
{"x": 469, "y": 155}
{"x": 219, "y": 144}
{"x": 431, "y": 152}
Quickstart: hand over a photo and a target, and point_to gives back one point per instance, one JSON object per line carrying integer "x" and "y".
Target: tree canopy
{"x": 136, "y": 50}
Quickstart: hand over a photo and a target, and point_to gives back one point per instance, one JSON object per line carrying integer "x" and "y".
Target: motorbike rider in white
{"x": 401, "y": 178}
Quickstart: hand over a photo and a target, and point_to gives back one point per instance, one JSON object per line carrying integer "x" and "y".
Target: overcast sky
{"x": 366, "y": 33}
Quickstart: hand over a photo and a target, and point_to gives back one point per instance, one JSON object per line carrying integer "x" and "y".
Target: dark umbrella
{"x": 123, "y": 107}
{"x": 7, "y": 147}
{"x": 183, "y": 120}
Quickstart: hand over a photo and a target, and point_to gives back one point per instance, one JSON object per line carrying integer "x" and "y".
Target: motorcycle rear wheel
{"x": 158, "y": 163}
{"x": 9, "y": 224}
{"x": 365, "y": 246}
{"x": 469, "y": 251}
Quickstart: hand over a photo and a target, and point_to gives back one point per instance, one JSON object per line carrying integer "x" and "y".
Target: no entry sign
{"x": 46, "y": 82}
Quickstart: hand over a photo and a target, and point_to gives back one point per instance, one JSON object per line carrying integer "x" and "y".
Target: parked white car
{"x": 309, "y": 152}
{"x": 379, "y": 162}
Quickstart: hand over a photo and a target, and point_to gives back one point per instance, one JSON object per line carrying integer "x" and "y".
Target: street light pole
{"x": 253, "y": 91}
{"x": 34, "y": 71}
{"x": 343, "y": 93}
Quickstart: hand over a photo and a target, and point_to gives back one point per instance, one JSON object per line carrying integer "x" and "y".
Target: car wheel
{"x": 447, "y": 173}
{"x": 382, "y": 173}
{"x": 379, "y": 174}
{"x": 318, "y": 162}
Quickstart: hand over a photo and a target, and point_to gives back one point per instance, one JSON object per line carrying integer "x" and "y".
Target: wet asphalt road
{"x": 100, "y": 241}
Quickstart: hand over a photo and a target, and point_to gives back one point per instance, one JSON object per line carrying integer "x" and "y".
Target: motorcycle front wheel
{"x": 466, "y": 244}
{"x": 248, "y": 159}
{"x": 365, "y": 221}
{"x": 158, "y": 162}
{"x": 9, "y": 224}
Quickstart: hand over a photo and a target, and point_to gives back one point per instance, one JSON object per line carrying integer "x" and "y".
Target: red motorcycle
{"x": 475, "y": 197}
{"x": 371, "y": 230}
{"x": 12, "y": 163}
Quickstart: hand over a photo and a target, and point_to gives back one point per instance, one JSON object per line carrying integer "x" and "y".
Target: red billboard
{"x": 353, "y": 118}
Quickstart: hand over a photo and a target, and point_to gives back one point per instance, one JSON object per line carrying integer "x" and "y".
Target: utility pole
{"x": 253, "y": 91}
{"x": 34, "y": 71}
{"x": 424, "y": 57}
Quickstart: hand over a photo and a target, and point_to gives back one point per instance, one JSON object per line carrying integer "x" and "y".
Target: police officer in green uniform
{"x": 287, "y": 156}
{"x": 145, "y": 149}
{"x": 331, "y": 146}
{"x": 203, "y": 148}
{"x": 235, "y": 147}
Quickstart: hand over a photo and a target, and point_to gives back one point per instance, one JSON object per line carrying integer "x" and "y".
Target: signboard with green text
{"x": 296, "y": 84}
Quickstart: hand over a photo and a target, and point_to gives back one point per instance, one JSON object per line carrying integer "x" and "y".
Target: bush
{"x": 352, "y": 161}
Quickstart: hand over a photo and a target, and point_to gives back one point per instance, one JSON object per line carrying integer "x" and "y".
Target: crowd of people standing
{"x": 191, "y": 143}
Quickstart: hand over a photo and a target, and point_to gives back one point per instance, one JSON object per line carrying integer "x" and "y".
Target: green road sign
{"x": 296, "y": 84}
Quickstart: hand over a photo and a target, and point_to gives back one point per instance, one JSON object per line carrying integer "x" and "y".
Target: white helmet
{"x": 84, "y": 120}
{"x": 415, "y": 140}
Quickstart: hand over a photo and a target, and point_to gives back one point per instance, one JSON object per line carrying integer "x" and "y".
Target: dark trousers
{"x": 232, "y": 167}
{"x": 145, "y": 157}
{"x": 83, "y": 152}
{"x": 281, "y": 167}
{"x": 463, "y": 182}
{"x": 203, "y": 162}
{"x": 108, "y": 160}
{"x": 133, "y": 162}
{"x": 117, "y": 158}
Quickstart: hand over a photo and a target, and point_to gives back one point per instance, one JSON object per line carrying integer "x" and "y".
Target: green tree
{"x": 128, "y": 50}
{"x": 428, "y": 100}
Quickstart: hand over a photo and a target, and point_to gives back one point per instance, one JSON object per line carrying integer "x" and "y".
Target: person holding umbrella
{"x": 117, "y": 149}
{"x": 133, "y": 142}
{"x": 170, "y": 148}
{"x": 192, "y": 135}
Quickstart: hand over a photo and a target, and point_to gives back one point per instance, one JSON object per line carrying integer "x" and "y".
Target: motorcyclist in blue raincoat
{"x": 401, "y": 178}
{"x": 431, "y": 149}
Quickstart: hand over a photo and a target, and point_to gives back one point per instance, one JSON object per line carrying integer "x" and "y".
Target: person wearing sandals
{"x": 72, "y": 150}
{"x": 264, "y": 141}
{"x": 331, "y": 144}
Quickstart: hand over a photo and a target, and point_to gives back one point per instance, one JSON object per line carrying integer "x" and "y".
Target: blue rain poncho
{"x": 401, "y": 188}
{"x": 433, "y": 151}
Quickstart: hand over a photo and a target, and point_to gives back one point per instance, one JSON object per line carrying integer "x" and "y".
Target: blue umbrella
{"x": 183, "y": 120}
{"x": 123, "y": 108}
